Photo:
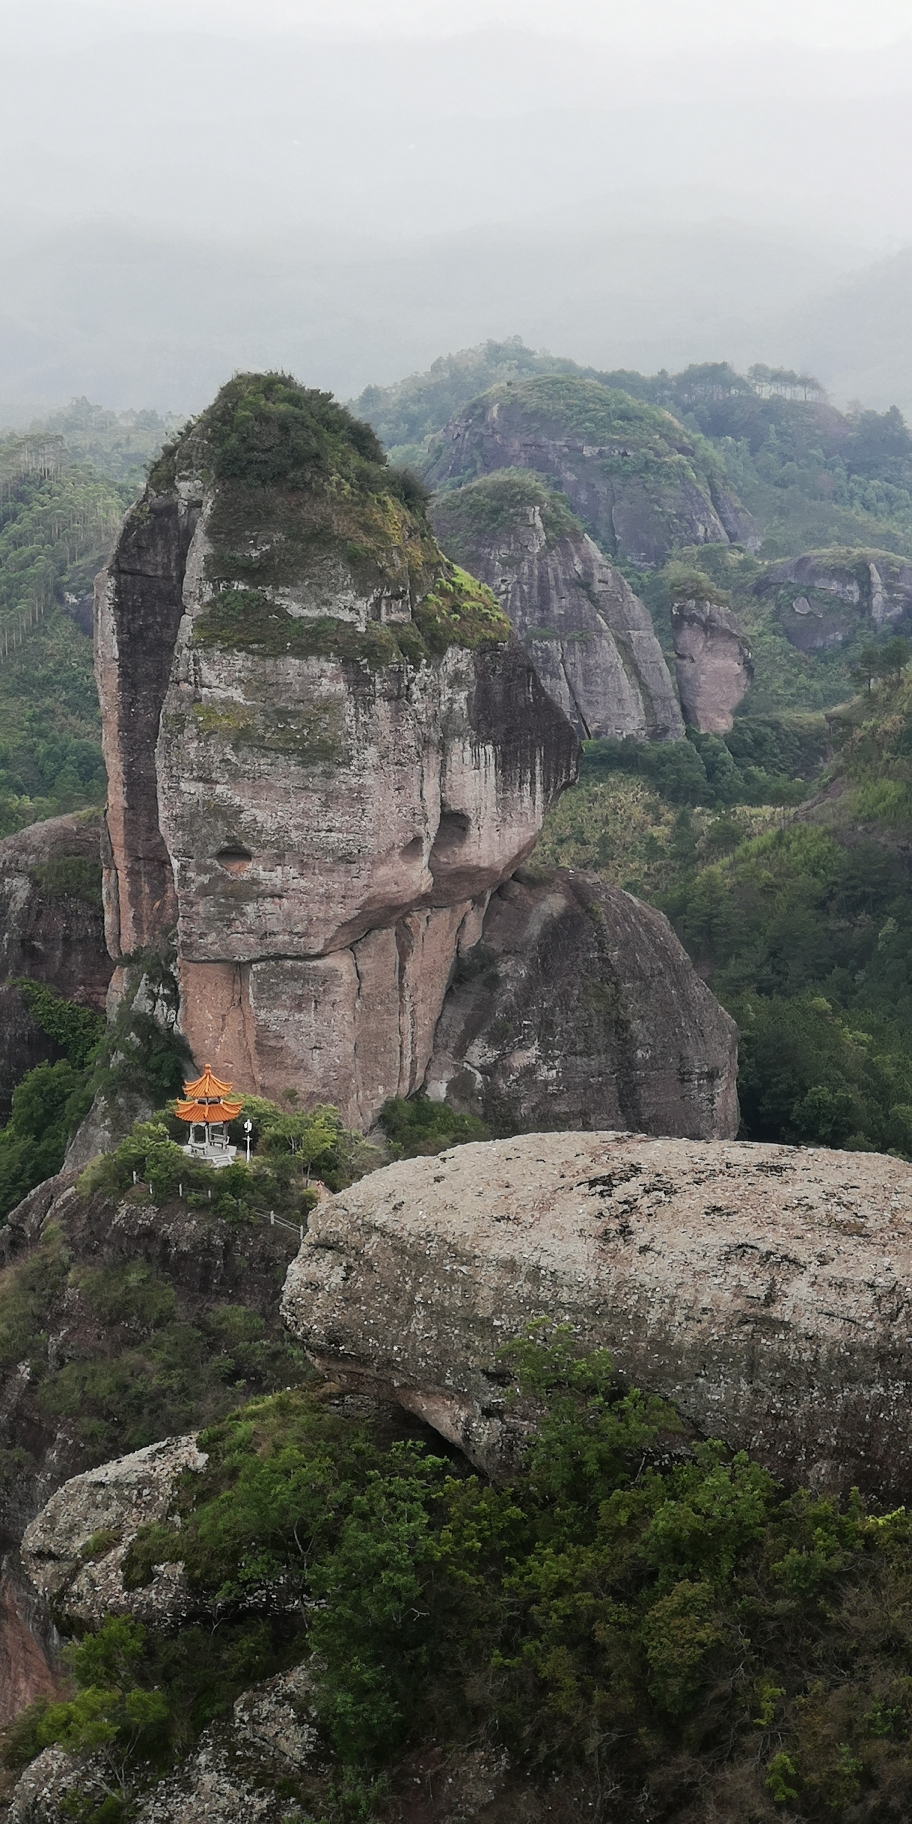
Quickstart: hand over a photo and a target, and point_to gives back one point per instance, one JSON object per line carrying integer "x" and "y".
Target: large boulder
{"x": 589, "y": 637}
{"x": 73, "y": 1551}
{"x": 51, "y": 929}
{"x": 579, "y": 1008}
{"x": 337, "y": 750}
{"x": 630, "y": 471}
{"x": 765, "y": 1290}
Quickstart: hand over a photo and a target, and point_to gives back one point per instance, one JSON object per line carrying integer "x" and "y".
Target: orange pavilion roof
{"x": 207, "y": 1088}
{"x": 207, "y": 1111}
{"x": 207, "y": 1100}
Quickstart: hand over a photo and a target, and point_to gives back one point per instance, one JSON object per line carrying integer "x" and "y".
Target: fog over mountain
{"x": 349, "y": 194}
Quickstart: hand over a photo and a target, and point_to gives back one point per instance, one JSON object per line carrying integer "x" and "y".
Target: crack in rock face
{"x": 766, "y": 1291}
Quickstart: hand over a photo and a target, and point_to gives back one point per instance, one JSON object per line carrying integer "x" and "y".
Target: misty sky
{"x": 350, "y": 189}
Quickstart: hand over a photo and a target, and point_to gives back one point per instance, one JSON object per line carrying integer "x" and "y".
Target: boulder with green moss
{"x": 827, "y": 598}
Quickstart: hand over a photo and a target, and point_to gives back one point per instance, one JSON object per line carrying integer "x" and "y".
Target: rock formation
{"x": 324, "y": 747}
{"x": 73, "y": 1551}
{"x": 713, "y": 663}
{"x": 233, "y": 1776}
{"x": 628, "y": 469}
{"x": 765, "y": 1290}
{"x": 51, "y": 929}
{"x": 827, "y": 597}
{"x": 589, "y": 637}
{"x": 579, "y": 1008}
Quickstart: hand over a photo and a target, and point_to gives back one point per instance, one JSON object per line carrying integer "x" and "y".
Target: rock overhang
{"x": 766, "y": 1291}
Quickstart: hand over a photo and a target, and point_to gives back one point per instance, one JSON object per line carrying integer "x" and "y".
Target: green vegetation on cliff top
{"x": 812, "y": 476}
{"x": 305, "y": 498}
{"x": 567, "y": 405}
{"x": 408, "y": 413}
{"x": 468, "y": 518}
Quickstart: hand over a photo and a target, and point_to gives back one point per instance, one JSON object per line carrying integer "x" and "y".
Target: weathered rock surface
{"x": 713, "y": 664}
{"x": 45, "y": 1792}
{"x": 73, "y": 1551}
{"x": 826, "y": 597}
{"x": 51, "y": 928}
{"x": 27, "y": 1660}
{"x": 338, "y": 750}
{"x": 628, "y": 469}
{"x": 589, "y": 637}
{"x": 325, "y": 963}
{"x": 234, "y": 1773}
{"x": 137, "y": 613}
{"x": 579, "y": 1008}
{"x": 766, "y": 1290}
{"x": 233, "y": 1776}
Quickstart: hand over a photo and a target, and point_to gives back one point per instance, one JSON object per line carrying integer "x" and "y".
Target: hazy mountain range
{"x": 180, "y": 204}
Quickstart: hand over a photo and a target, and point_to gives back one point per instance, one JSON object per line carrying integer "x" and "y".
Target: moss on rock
{"x": 467, "y": 517}
{"x": 302, "y": 498}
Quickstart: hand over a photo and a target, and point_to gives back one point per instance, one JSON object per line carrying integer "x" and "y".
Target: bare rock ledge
{"x": 765, "y": 1290}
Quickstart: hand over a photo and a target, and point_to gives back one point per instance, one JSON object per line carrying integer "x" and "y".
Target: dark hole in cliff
{"x": 413, "y": 850}
{"x": 452, "y": 831}
{"x": 234, "y": 859}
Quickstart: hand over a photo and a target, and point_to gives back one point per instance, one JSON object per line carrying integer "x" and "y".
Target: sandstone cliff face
{"x": 589, "y": 637}
{"x": 580, "y": 1009}
{"x": 51, "y": 928}
{"x": 767, "y": 1291}
{"x": 826, "y": 597}
{"x": 28, "y": 1668}
{"x": 348, "y": 753}
{"x": 323, "y": 959}
{"x": 628, "y": 470}
{"x": 713, "y": 664}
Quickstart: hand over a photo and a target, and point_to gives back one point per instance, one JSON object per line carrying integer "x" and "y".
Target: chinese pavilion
{"x": 207, "y": 1107}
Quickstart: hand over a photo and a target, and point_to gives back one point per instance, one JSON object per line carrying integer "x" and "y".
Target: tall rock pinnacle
{"x": 325, "y": 747}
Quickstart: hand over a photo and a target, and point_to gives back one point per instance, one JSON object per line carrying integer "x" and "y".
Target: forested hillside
{"x": 781, "y": 850}
{"x": 790, "y": 889}
{"x": 58, "y": 517}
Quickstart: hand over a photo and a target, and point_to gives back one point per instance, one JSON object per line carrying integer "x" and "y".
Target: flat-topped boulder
{"x": 765, "y": 1290}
